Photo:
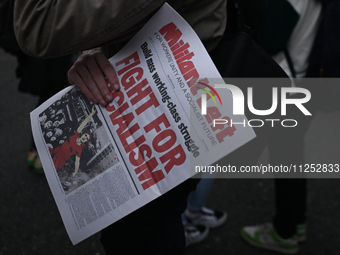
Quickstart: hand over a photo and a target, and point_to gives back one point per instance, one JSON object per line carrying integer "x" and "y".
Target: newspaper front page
{"x": 104, "y": 163}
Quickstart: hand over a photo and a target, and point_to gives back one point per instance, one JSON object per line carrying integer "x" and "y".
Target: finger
{"x": 75, "y": 78}
{"x": 108, "y": 70}
{"x": 98, "y": 76}
{"x": 91, "y": 84}
{"x": 93, "y": 77}
{"x": 85, "y": 81}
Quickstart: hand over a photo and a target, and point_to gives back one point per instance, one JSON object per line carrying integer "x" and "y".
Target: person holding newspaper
{"x": 52, "y": 29}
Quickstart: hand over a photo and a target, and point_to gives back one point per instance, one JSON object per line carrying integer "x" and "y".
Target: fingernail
{"x": 102, "y": 102}
{"x": 116, "y": 86}
{"x": 94, "y": 101}
{"x": 108, "y": 98}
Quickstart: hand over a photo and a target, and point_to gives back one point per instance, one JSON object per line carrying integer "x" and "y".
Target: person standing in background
{"x": 291, "y": 27}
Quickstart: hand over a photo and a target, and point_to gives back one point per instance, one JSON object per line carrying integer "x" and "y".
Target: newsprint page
{"x": 103, "y": 163}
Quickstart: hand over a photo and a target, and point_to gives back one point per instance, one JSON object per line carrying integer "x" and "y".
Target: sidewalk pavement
{"x": 31, "y": 224}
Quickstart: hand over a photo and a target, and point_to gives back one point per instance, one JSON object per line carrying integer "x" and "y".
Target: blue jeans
{"x": 197, "y": 198}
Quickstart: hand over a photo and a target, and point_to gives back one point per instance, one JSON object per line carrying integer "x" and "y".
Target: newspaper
{"x": 104, "y": 163}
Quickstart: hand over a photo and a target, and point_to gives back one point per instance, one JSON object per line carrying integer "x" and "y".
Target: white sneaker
{"x": 266, "y": 237}
{"x": 195, "y": 233}
{"x": 301, "y": 232}
{"x": 208, "y": 217}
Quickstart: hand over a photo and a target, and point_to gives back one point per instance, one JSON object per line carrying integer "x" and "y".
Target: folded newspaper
{"x": 104, "y": 163}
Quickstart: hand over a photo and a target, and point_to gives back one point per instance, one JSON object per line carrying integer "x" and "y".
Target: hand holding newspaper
{"x": 103, "y": 163}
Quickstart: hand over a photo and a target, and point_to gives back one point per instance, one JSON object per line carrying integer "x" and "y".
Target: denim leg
{"x": 197, "y": 198}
